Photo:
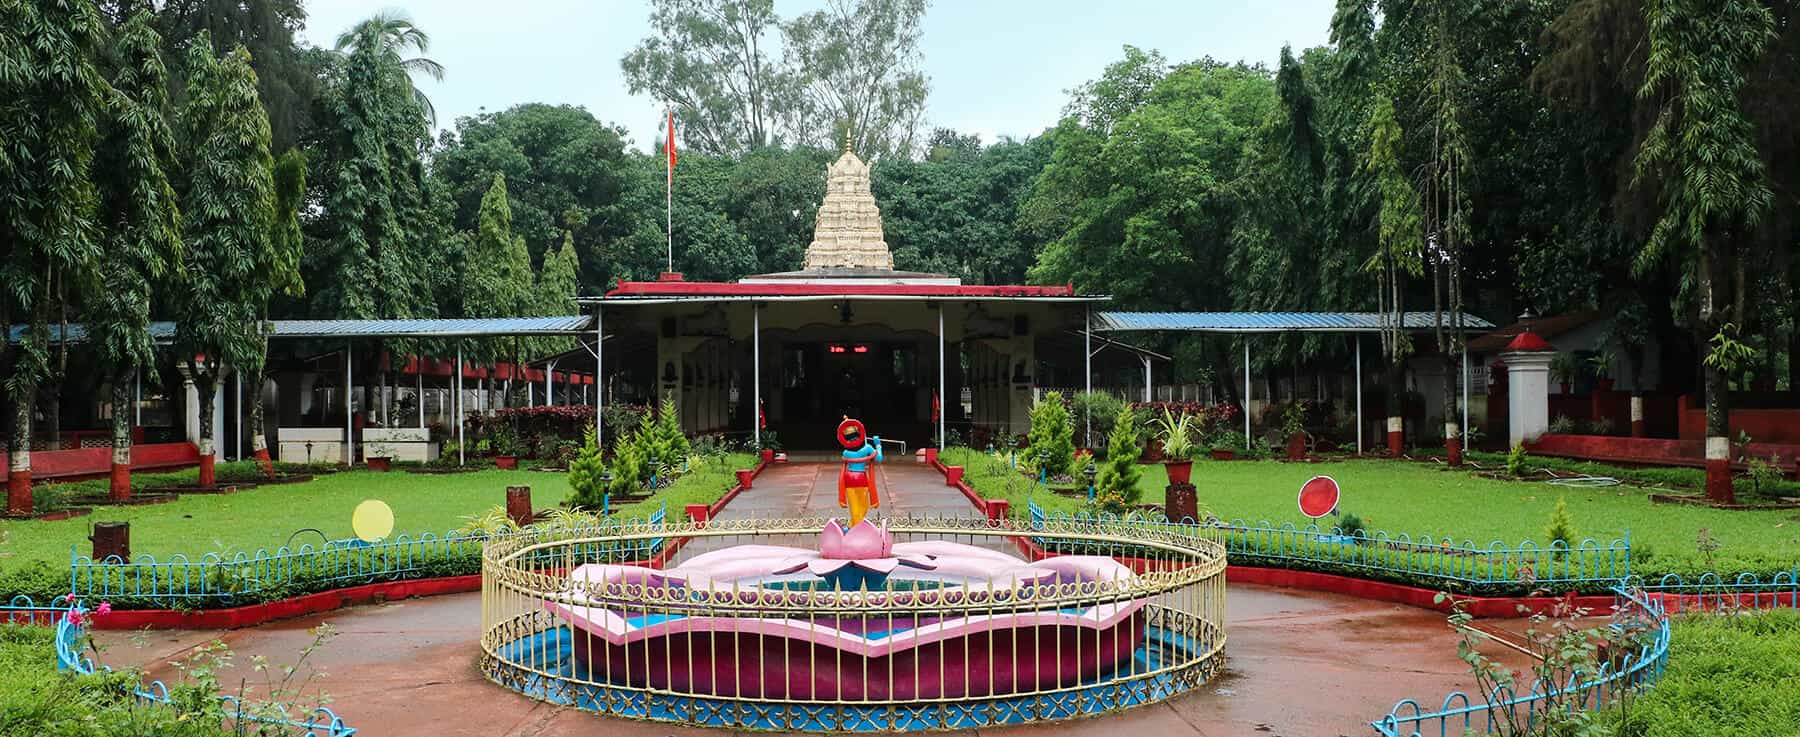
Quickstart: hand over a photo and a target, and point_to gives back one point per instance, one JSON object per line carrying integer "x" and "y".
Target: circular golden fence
{"x": 961, "y": 625}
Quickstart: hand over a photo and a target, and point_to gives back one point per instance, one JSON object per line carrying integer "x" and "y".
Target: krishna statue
{"x": 856, "y": 483}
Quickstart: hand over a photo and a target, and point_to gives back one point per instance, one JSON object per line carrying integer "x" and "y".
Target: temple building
{"x": 913, "y": 355}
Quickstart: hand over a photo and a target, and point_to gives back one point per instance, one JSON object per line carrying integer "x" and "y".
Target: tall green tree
{"x": 228, "y": 222}
{"x": 279, "y": 275}
{"x": 860, "y": 67}
{"x": 558, "y": 281}
{"x": 1398, "y": 252}
{"x": 54, "y": 99}
{"x": 390, "y": 36}
{"x": 711, "y": 59}
{"x": 1446, "y": 204}
{"x": 140, "y": 222}
{"x": 286, "y": 77}
{"x": 1701, "y": 158}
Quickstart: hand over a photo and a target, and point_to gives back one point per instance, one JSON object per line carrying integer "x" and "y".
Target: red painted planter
{"x": 1180, "y": 471}
{"x": 379, "y": 464}
{"x": 931, "y": 455}
{"x": 1296, "y": 446}
{"x": 952, "y": 475}
{"x": 768, "y": 455}
{"x": 506, "y": 462}
{"x": 745, "y": 476}
{"x": 1223, "y": 454}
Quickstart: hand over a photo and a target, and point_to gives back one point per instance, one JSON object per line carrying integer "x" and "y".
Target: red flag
{"x": 671, "y": 146}
{"x": 935, "y": 407}
{"x": 762, "y": 420}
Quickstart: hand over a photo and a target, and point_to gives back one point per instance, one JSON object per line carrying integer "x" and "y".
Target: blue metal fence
{"x": 1441, "y": 560}
{"x": 71, "y": 637}
{"x": 1506, "y": 709}
{"x": 219, "y": 580}
{"x": 1712, "y": 592}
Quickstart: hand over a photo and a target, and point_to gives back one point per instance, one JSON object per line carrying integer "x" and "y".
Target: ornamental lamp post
{"x": 606, "y": 492}
{"x": 1090, "y": 472}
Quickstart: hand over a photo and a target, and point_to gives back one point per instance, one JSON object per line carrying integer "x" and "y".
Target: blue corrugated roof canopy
{"x": 1271, "y": 322}
{"x": 455, "y": 327}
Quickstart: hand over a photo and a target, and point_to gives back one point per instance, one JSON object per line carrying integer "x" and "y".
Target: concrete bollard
{"x": 518, "y": 504}
{"x": 111, "y": 539}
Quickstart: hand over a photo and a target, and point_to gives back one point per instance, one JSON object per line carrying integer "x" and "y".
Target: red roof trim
{"x": 737, "y": 289}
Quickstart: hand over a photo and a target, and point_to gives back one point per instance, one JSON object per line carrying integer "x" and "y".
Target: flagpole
{"x": 669, "y": 191}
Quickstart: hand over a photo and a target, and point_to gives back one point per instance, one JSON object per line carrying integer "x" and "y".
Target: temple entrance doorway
{"x": 877, "y": 381}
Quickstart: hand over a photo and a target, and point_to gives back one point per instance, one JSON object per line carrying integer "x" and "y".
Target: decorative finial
{"x": 846, "y": 139}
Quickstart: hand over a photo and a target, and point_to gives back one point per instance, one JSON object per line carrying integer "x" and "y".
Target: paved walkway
{"x": 1300, "y": 664}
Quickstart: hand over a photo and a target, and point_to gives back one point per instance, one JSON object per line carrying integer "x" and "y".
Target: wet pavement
{"x": 1300, "y": 664}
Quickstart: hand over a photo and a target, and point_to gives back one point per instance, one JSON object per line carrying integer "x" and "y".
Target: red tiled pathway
{"x": 1301, "y": 664}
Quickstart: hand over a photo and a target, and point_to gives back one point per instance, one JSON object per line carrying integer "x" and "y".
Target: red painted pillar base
{"x": 1396, "y": 436}
{"x": 1718, "y": 481}
{"x": 206, "y": 470}
{"x": 18, "y": 493}
{"x": 119, "y": 486}
{"x": 1637, "y": 429}
{"x": 1453, "y": 450}
{"x": 262, "y": 459}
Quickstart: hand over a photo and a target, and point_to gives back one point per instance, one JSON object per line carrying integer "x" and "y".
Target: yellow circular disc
{"x": 372, "y": 520}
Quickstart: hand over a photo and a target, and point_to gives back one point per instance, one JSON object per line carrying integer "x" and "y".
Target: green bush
{"x": 1738, "y": 675}
{"x": 36, "y": 699}
{"x": 586, "y": 490}
{"x": 1095, "y": 410}
{"x": 1116, "y": 489}
{"x": 1052, "y": 443}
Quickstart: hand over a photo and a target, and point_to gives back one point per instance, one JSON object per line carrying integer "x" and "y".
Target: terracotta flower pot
{"x": 1223, "y": 454}
{"x": 506, "y": 462}
{"x": 379, "y": 463}
{"x": 745, "y": 477}
{"x": 768, "y": 455}
{"x": 1179, "y": 471}
{"x": 1296, "y": 446}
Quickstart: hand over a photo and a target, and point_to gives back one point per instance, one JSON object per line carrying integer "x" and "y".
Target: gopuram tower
{"x": 847, "y": 234}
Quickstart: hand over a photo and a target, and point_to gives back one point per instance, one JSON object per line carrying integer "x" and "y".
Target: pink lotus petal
{"x": 865, "y": 540}
{"x": 825, "y": 566}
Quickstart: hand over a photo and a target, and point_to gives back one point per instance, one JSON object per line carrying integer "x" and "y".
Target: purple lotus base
{"x": 987, "y": 663}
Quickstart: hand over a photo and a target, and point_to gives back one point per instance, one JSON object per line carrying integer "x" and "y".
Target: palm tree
{"x": 391, "y": 33}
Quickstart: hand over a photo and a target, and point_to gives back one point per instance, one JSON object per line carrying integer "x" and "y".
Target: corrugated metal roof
{"x": 463, "y": 327}
{"x": 434, "y": 328}
{"x": 1267, "y": 322}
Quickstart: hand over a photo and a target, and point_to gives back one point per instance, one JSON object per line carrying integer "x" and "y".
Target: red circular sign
{"x": 1318, "y": 496}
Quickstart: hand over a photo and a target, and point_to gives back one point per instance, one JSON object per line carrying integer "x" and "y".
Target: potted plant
{"x": 378, "y": 455}
{"x": 1601, "y": 364}
{"x": 506, "y": 447}
{"x": 1564, "y": 368}
{"x": 1225, "y": 445}
{"x": 1176, "y": 435}
{"x": 1293, "y": 421}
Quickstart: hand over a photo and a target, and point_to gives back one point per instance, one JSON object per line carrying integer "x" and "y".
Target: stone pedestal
{"x": 1181, "y": 503}
{"x": 1528, "y": 394}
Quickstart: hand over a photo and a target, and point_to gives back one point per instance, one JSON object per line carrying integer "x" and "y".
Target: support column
{"x": 600, "y": 377}
{"x": 756, "y": 413}
{"x": 1637, "y": 416}
{"x": 457, "y": 405}
{"x": 1357, "y": 339}
{"x": 419, "y": 395}
{"x": 1146, "y": 360}
{"x": 238, "y": 431}
{"x": 549, "y": 389}
{"x": 1087, "y": 362}
{"x": 943, "y": 398}
{"x": 349, "y": 415}
{"x": 1246, "y": 392}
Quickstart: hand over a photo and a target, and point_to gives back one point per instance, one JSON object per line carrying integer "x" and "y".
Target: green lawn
{"x": 269, "y": 516}
{"x": 1422, "y": 499}
{"x": 1728, "y": 676}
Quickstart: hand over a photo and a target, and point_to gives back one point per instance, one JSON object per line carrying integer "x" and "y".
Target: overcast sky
{"x": 997, "y": 67}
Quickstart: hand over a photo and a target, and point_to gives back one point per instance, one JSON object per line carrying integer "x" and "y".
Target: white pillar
{"x": 1464, "y": 432}
{"x": 549, "y": 390}
{"x": 457, "y": 405}
{"x": 1246, "y": 392}
{"x": 137, "y": 398}
{"x": 419, "y": 396}
{"x": 1359, "y": 420}
{"x": 1087, "y": 366}
{"x": 1146, "y": 359}
{"x": 756, "y": 374}
{"x": 349, "y": 424}
{"x": 600, "y": 377}
{"x": 943, "y": 395}
{"x": 1527, "y": 394}
{"x": 238, "y": 434}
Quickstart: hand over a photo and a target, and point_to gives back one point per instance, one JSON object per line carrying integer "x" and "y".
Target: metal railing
{"x": 745, "y": 631}
{"x": 71, "y": 637}
{"x": 1507, "y": 709}
{"x": 1711, "y": 592}
{"x": 1462, "y": 565}
{"x": 216, "y": 580}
